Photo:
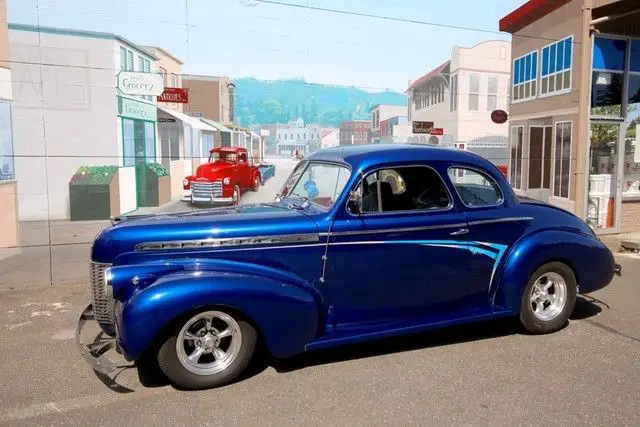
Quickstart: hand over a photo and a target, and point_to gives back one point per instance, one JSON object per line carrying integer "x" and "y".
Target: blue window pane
{"x": 534, "y": 65}
{"x": 516, "y": 71}
{"x": 545, "y": 61}
{"x": 527, "y": 68}
{"x": 552, "y": 58}
{"x": 608, "y": 54}
{"x": 568, "y": 47}
{"x": 560, "y": 56}
{"x": 635, "y": 55}
{"x": 521, "y": 66}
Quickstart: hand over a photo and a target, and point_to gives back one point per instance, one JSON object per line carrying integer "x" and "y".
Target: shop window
{"x": 556, "y": 67}
{"x": 492, "y": 93}
{"x": 539, "y": 157}
{"x": 474, "y": 89}
{"x": 515, "y": 169}
{"x": 207, "y": 143}
{"x": 606, "y": 93}
{"x": 149, "y": 142}
{"x": 562, "y": 160}
{"x": 635, "y": 56}
{"x": 6, "y": 143}
{"x": 525, "y": 74}
{"x": 631, "y": 166}
{"x": 609, "y": 54}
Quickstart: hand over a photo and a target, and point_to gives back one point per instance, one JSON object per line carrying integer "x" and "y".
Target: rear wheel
{"x": 549, "y": 298}
{"x": 211, "y": 349}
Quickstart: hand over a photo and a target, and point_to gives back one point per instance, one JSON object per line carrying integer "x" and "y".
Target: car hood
{"x": 217, "y": 223}
{"x": 214, "y": 170}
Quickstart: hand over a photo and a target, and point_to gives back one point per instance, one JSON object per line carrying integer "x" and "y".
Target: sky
{"x": 248, "y": 38}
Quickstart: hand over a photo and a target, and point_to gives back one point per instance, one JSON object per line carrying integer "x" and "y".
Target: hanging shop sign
{"x": 499, "y": 116}
{"x": 175, "y": 95}
{"x": 421, "y": 127}
{"x": 437, "y": 131}
{"x": 134, "y": 83}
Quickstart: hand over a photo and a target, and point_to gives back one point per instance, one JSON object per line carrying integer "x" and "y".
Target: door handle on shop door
{"x": 460, "y": 232}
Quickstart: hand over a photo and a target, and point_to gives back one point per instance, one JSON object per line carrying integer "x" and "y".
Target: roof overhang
{"x": 438, "y": 71}
{"x": 529, "y": 13}
{"x": 194, "y": 122}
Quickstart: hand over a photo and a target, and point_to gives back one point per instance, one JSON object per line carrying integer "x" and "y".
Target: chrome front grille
{"x": 102, "y": 297}
{"x": 206, "y": 190}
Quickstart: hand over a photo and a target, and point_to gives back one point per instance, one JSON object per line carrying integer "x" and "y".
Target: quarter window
{"x": 525, "y": 74}
{"x": 474, "y": 188}
{"x": 403, "y": 189}
{"x": 556, "y": 67}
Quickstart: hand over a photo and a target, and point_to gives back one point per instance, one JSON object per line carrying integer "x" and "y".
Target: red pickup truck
{"x": 221, "y": 180}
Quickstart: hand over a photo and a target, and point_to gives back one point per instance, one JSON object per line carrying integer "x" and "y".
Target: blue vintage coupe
{"x": 362, "y": 242}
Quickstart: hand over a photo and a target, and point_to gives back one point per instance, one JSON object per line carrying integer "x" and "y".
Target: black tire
{"x": 257, "y": 187}
{"x": 531, "y": 322}
{"x": 236, "y": 188}
{"x": 171, "y": 366}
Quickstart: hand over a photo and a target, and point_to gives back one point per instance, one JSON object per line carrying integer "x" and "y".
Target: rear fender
{"x": 286, "y": 315}
{"x": 591, "y": 261}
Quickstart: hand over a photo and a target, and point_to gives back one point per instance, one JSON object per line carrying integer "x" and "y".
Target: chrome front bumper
{"x": 211, "y": 200}
{"x": 93, "y": 352}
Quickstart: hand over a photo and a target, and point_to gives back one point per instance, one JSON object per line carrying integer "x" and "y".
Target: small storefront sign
{"x": 175, "y": 95}
{"x": 166, "y": 120}
{"x": 460, "y": 145}
{"x": 137, "y": 110}
{"x": 437, "y": 131}
{"x": 499, "y": 116}
{"x": 197, "y": 114}
{"x": 421, "y": 127}
{"x": 135, "y": 83}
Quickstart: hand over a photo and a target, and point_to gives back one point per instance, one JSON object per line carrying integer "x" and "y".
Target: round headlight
{"x": 226, "y": 181}
{"x": 107, "y": 276}
{"x": 185, "y": 182}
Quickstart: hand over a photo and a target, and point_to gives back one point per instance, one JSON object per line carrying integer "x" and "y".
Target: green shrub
{"x": 158, "y": 169}
{"x": 93, "y": 175}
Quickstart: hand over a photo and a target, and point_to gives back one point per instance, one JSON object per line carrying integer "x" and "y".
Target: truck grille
{"x": 206, "y": 189}
{"x": 102, "y": 298}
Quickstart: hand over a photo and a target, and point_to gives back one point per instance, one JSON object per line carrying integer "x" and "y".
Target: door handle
{"x": 460, "y": 232}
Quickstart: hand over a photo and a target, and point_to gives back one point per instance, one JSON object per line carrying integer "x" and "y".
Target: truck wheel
{"x": 211, "y": 349}
{"x": 235, "y": 199}
{"x": 548, "y": 299}
{"x": 256, "y": 183}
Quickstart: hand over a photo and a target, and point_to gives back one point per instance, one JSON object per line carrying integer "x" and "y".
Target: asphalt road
{"x": 492, "y": 373}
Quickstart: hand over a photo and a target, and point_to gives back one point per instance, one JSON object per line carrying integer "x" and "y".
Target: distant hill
{"x": 259, "y": 102}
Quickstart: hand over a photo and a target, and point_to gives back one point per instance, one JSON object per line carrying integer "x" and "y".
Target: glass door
{"x": 603, "y": 200}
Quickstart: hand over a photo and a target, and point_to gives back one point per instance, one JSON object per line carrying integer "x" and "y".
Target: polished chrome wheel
{"x": 209, "y": 343}
{"x": 548, "y": 296}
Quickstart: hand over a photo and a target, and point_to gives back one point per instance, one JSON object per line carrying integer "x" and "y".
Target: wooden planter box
{"x": 94, "y": 201}
{"x": 157, "y": 189}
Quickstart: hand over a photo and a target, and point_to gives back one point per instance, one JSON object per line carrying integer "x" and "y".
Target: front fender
{"x": 592, "y": 263}
{"x": 286, "y": 315}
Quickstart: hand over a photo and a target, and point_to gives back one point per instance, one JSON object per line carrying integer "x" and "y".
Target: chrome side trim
{"x": 394, "y": 230}
{"x": 232, "y": 241}
{"x": 497, "y": 220}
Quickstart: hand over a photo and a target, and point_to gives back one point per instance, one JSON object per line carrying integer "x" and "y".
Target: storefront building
{"x": 8, "y": 184}
{"x": 78, "y": 116}
{"x": 575, "y": 108}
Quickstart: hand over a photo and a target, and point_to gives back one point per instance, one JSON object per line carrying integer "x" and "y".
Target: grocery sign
{"x": 175, "y": 95}
{"x": 133, "y": 83}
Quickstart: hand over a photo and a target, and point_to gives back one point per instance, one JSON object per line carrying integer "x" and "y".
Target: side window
{"x": 403, "y": 189}
{"x": 475, "y": 188}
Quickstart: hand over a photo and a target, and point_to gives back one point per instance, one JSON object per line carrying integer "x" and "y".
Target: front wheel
{"x": 549, "y": 298}
{"x": 235, "y": 198}
{"x": 256, "y": 183}
{"x": 211, "y": 349}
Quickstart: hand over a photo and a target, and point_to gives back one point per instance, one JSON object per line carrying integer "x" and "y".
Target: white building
{"x": 459, "y": 96}
{"x": 380, "y": 113}
{"x": 297, "y": 136}
{"x": 77, "y": 116}
{"x": 330, "y": 138}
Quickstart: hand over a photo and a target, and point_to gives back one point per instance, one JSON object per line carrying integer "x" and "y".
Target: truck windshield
{"x": 320, "y": 183}
{"x": 225, "y": 157}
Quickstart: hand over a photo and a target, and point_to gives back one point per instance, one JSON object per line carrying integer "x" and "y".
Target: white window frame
{"x": 494, "y": 94}
{"x": 515, "y": 86}
{"x": 453, "y": 92}
{"x": 477, "y": 93}
{"x": 556, "y": 73}
{"x": 514, "y": 131}
{"x": 553, "y": 160}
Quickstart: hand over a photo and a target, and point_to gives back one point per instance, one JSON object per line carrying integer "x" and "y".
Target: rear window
{"x": 475, "y": 188}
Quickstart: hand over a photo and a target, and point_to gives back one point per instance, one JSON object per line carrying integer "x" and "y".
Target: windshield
{"x": 221, "y": 155}
{"x": 320, "y": 183}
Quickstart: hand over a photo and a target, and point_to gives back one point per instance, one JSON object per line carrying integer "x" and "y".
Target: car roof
{"x": 228, "y": 149}
{"x": 362, "y": 156}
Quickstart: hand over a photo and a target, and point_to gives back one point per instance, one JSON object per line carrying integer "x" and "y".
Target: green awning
{"x": 216, "y": 125}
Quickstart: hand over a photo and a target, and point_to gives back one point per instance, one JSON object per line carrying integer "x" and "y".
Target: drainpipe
{"x": 581, "y": 177}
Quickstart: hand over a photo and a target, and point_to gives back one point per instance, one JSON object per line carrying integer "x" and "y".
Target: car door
{"x": 401, "y": 257}
{"x": 494, "y": 223}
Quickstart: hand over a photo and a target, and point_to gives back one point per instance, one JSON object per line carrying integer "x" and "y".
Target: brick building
{"x": 355, "y": 132}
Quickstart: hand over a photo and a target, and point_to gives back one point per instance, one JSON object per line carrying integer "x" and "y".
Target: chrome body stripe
{"x": 393, "y": 230}
{"x": 228, "y": 242}
{"x": 493, "y": 221}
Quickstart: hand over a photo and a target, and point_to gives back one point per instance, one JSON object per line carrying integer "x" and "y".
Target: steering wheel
{"x": 429, "y": 200}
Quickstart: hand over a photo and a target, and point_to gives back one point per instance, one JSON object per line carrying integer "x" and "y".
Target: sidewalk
{"x": 58, "y": 252}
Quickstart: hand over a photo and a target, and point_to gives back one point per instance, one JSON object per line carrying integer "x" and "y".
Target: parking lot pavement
{"x": 586, "y": 374}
